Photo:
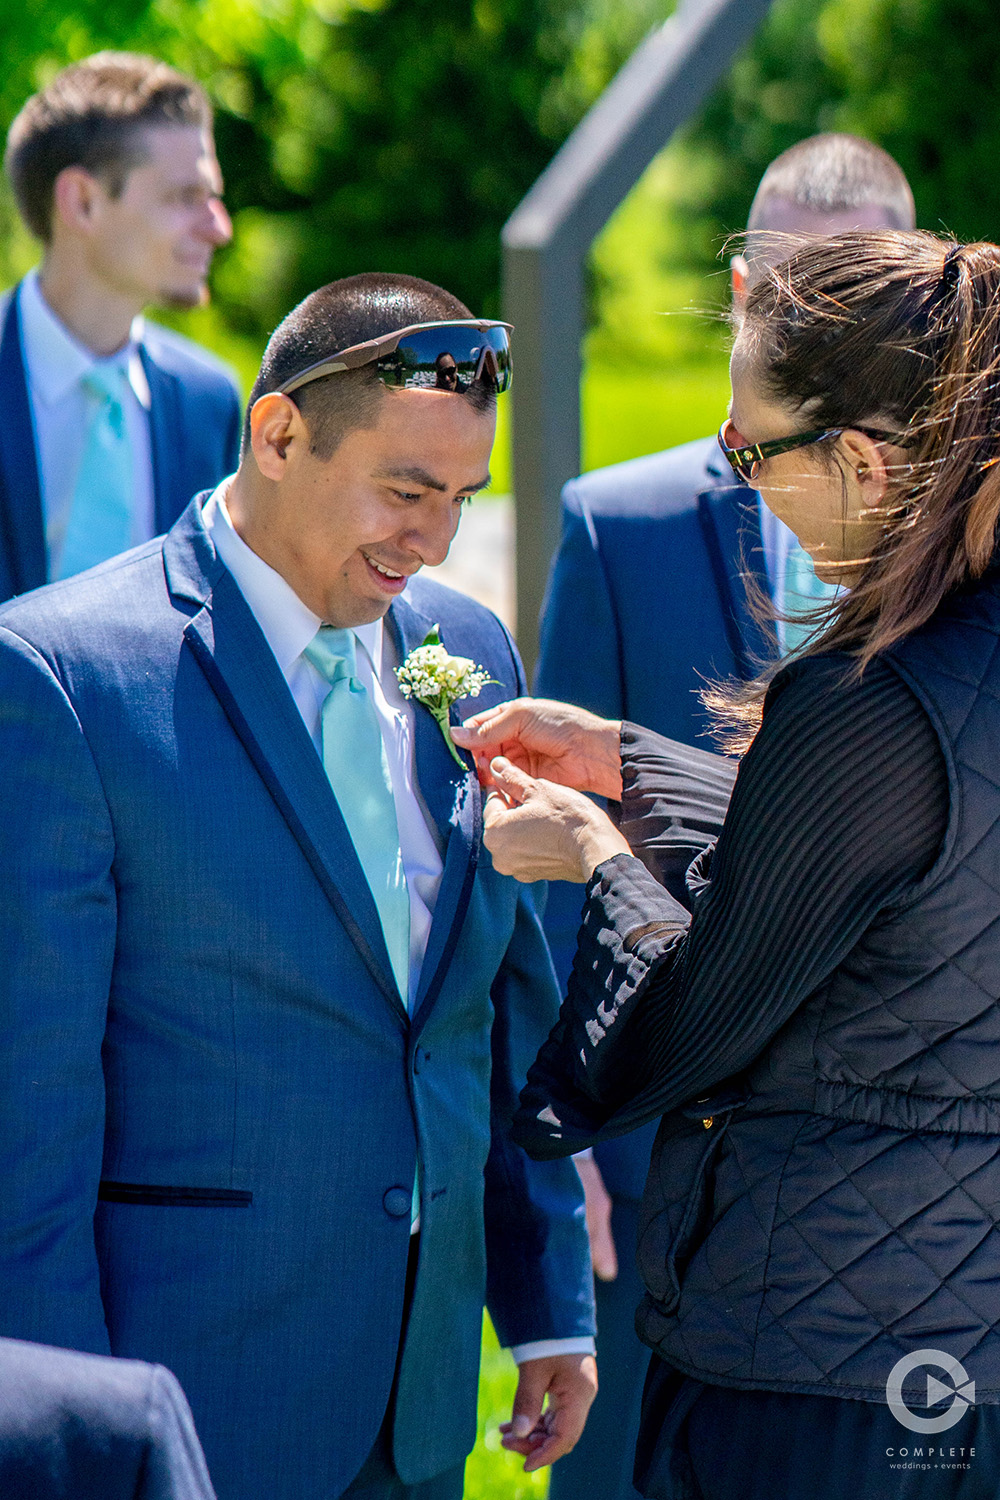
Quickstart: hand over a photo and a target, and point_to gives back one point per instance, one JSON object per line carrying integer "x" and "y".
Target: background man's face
{"x": 348, "y": 533}
{"x": 155, "y": 241}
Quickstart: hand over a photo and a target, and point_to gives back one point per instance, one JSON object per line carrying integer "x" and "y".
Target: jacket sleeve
{"x": 841, "y": 804}
{"x": 57, "y": 940}
{"x": 539, "y": 1283}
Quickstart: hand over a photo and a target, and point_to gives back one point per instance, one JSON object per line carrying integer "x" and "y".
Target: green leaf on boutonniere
{"x": 436, "y": 679}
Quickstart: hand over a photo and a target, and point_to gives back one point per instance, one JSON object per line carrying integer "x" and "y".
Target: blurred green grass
{"x": 492, "y": 1473}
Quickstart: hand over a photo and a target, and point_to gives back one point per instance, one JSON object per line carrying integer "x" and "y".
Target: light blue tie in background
{"x": 355, "y": 763}
{"x": 803, "y": 593}
{"x": 100, "y": 516}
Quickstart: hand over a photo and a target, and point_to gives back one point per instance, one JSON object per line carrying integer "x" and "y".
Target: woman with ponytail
{"x": 812, "y": 1002}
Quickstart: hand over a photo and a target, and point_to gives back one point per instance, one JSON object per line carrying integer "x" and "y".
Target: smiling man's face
{"x": 346, "y": 533}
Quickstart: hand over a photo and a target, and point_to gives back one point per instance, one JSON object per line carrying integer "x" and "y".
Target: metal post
{"x": 545, "y": 243}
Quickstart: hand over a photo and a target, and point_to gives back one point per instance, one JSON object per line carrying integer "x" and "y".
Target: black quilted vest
{"x": 841, "y": 1207}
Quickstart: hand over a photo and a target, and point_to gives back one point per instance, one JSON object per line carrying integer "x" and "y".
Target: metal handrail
{"x": 545, "y": 245}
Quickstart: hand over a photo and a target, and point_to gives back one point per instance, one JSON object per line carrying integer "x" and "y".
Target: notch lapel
{"x": 240, "y": 667}
{"x": 22, "y": 528}
{"x": 731, "y": 527}
{"x": 454, "y": 801}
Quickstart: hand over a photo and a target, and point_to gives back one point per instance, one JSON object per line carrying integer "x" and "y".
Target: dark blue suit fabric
{"x": 208, "y": 1160}
{"x": 647, "y": 600}
{"x": 79, "y": 1427}
{"x": 194, "y": 420}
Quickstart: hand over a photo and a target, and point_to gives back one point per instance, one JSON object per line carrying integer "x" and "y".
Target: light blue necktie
{"x": 803, "y": 593}
{"x": 100, "y": 516}
{"x": 356, "y": 766}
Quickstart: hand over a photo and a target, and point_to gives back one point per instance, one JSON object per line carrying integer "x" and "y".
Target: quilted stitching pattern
{"x": 853, "y": 1208}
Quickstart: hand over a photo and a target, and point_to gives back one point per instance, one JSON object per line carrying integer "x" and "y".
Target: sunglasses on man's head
{"x": 745, "y": 459}
{"x": 446, "y": 356}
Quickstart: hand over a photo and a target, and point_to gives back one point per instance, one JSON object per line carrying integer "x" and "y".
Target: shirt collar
{"x": 288, "y": 624}
{"x": 56, "y": 361}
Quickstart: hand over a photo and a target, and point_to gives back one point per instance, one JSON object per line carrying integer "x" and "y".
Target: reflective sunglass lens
{"x": 449, "y": 360}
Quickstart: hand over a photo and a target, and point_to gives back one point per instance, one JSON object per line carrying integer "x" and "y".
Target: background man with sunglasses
{"x": 659, "y": 563}
{"x": 266, "y": 1002}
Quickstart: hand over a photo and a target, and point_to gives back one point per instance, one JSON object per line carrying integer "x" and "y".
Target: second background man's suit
{"x": 647, "y": 601}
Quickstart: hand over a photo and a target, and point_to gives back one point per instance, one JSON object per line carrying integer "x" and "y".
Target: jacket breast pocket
{"x": 173, "y": 1197}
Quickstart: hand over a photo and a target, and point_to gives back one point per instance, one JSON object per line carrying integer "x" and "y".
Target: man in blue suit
{"x": 265, "y": 1002}
{"x": 650, "y": 598}
{"x": 110, "y": 423}
{"x": 81, "y": 1427}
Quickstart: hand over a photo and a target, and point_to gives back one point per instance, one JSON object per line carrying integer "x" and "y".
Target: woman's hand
{"x": 536, "y": 830}
{"x": 547, "y": 739}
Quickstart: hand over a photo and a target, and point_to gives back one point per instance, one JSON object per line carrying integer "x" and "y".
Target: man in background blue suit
{"x": 79, "y": 1427}
{"x": 265, "y": 1003}
{"x": 649, "y": 598}
{"x": 110, "y": 423}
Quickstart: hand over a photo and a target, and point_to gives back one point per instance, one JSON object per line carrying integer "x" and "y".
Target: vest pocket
{"x": 677, "y": 1203}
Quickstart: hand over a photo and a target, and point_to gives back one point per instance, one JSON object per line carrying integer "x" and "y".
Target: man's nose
{"x": 433, "y": 537}
{"x": 217, "y": 225}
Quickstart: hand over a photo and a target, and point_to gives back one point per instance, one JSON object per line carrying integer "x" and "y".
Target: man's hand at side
{"x": 569, "y": 1381}
{"x": 603, "y": 1253}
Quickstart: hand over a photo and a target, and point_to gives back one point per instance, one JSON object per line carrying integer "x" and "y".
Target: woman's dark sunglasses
{"x": 747, "y": 459}
{"x": 446, "y": 356}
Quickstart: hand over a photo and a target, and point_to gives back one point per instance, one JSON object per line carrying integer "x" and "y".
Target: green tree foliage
{"x": 354, "y": 134}
{"x": 921, "y": 77}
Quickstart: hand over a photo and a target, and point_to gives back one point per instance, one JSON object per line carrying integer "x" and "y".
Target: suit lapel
{"x": 21, "y": 524}
{"x": 454, "y": 801}
{"x": 731, "y": 526}
{"x": 164, "y": 430}
{"x": 242, "y": 672}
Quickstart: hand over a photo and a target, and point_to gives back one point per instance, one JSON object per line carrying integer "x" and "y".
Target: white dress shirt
{"x": 55, "y": 361}
{"x": 289, "y": 626}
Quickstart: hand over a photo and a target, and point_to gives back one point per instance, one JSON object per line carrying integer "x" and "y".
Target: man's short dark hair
{"x": 344, "y": 313}
{"x": 93, "y": 115}
{"x": 834, "y": 173}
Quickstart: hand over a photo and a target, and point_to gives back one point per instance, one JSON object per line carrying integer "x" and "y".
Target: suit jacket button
{"x": 396, "y": 1202}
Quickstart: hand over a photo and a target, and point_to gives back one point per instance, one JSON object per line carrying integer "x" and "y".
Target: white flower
{"x": 436, "y": 679}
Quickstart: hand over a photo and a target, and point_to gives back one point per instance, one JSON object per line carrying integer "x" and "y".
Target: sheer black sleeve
{"x": 839, "y": 807}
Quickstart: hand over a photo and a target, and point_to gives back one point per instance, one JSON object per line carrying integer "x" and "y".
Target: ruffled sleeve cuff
{"x": 583, "y": 1074}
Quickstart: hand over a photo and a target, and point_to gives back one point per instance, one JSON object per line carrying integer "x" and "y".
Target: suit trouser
{"x": 378, "y": 1479}
{"x": 600, "y": 1466}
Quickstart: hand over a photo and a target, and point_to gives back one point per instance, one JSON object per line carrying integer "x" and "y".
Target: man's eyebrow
{"x": 426, "y": 481}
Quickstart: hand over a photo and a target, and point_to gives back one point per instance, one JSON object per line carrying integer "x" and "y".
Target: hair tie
{"x": 952, "y": 268}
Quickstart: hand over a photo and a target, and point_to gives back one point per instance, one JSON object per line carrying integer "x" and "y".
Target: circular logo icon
{"x": 960, "y": 1391}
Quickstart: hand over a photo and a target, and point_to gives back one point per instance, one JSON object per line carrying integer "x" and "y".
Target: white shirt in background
{"x": 61, "y": 410}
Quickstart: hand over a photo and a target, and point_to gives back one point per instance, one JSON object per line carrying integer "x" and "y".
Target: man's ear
{"x": 76, "y": 198}
{"x": 276, "y": 426}
{"x": 739, "y": 270}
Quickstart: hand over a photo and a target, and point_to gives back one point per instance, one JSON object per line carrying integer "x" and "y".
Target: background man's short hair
{"x": 347, "y": 312}
{"x": 93, "y": 115}
{"x": 832, "y": 174}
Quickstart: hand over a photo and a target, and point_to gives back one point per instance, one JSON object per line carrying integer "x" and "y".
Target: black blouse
{"x": 839, "y": 808}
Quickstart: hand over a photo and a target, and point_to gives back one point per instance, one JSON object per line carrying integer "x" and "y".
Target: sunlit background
{"x": 400, "y": 134}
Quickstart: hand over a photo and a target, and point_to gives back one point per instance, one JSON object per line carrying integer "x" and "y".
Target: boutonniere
{"x": 435, "y": 678}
